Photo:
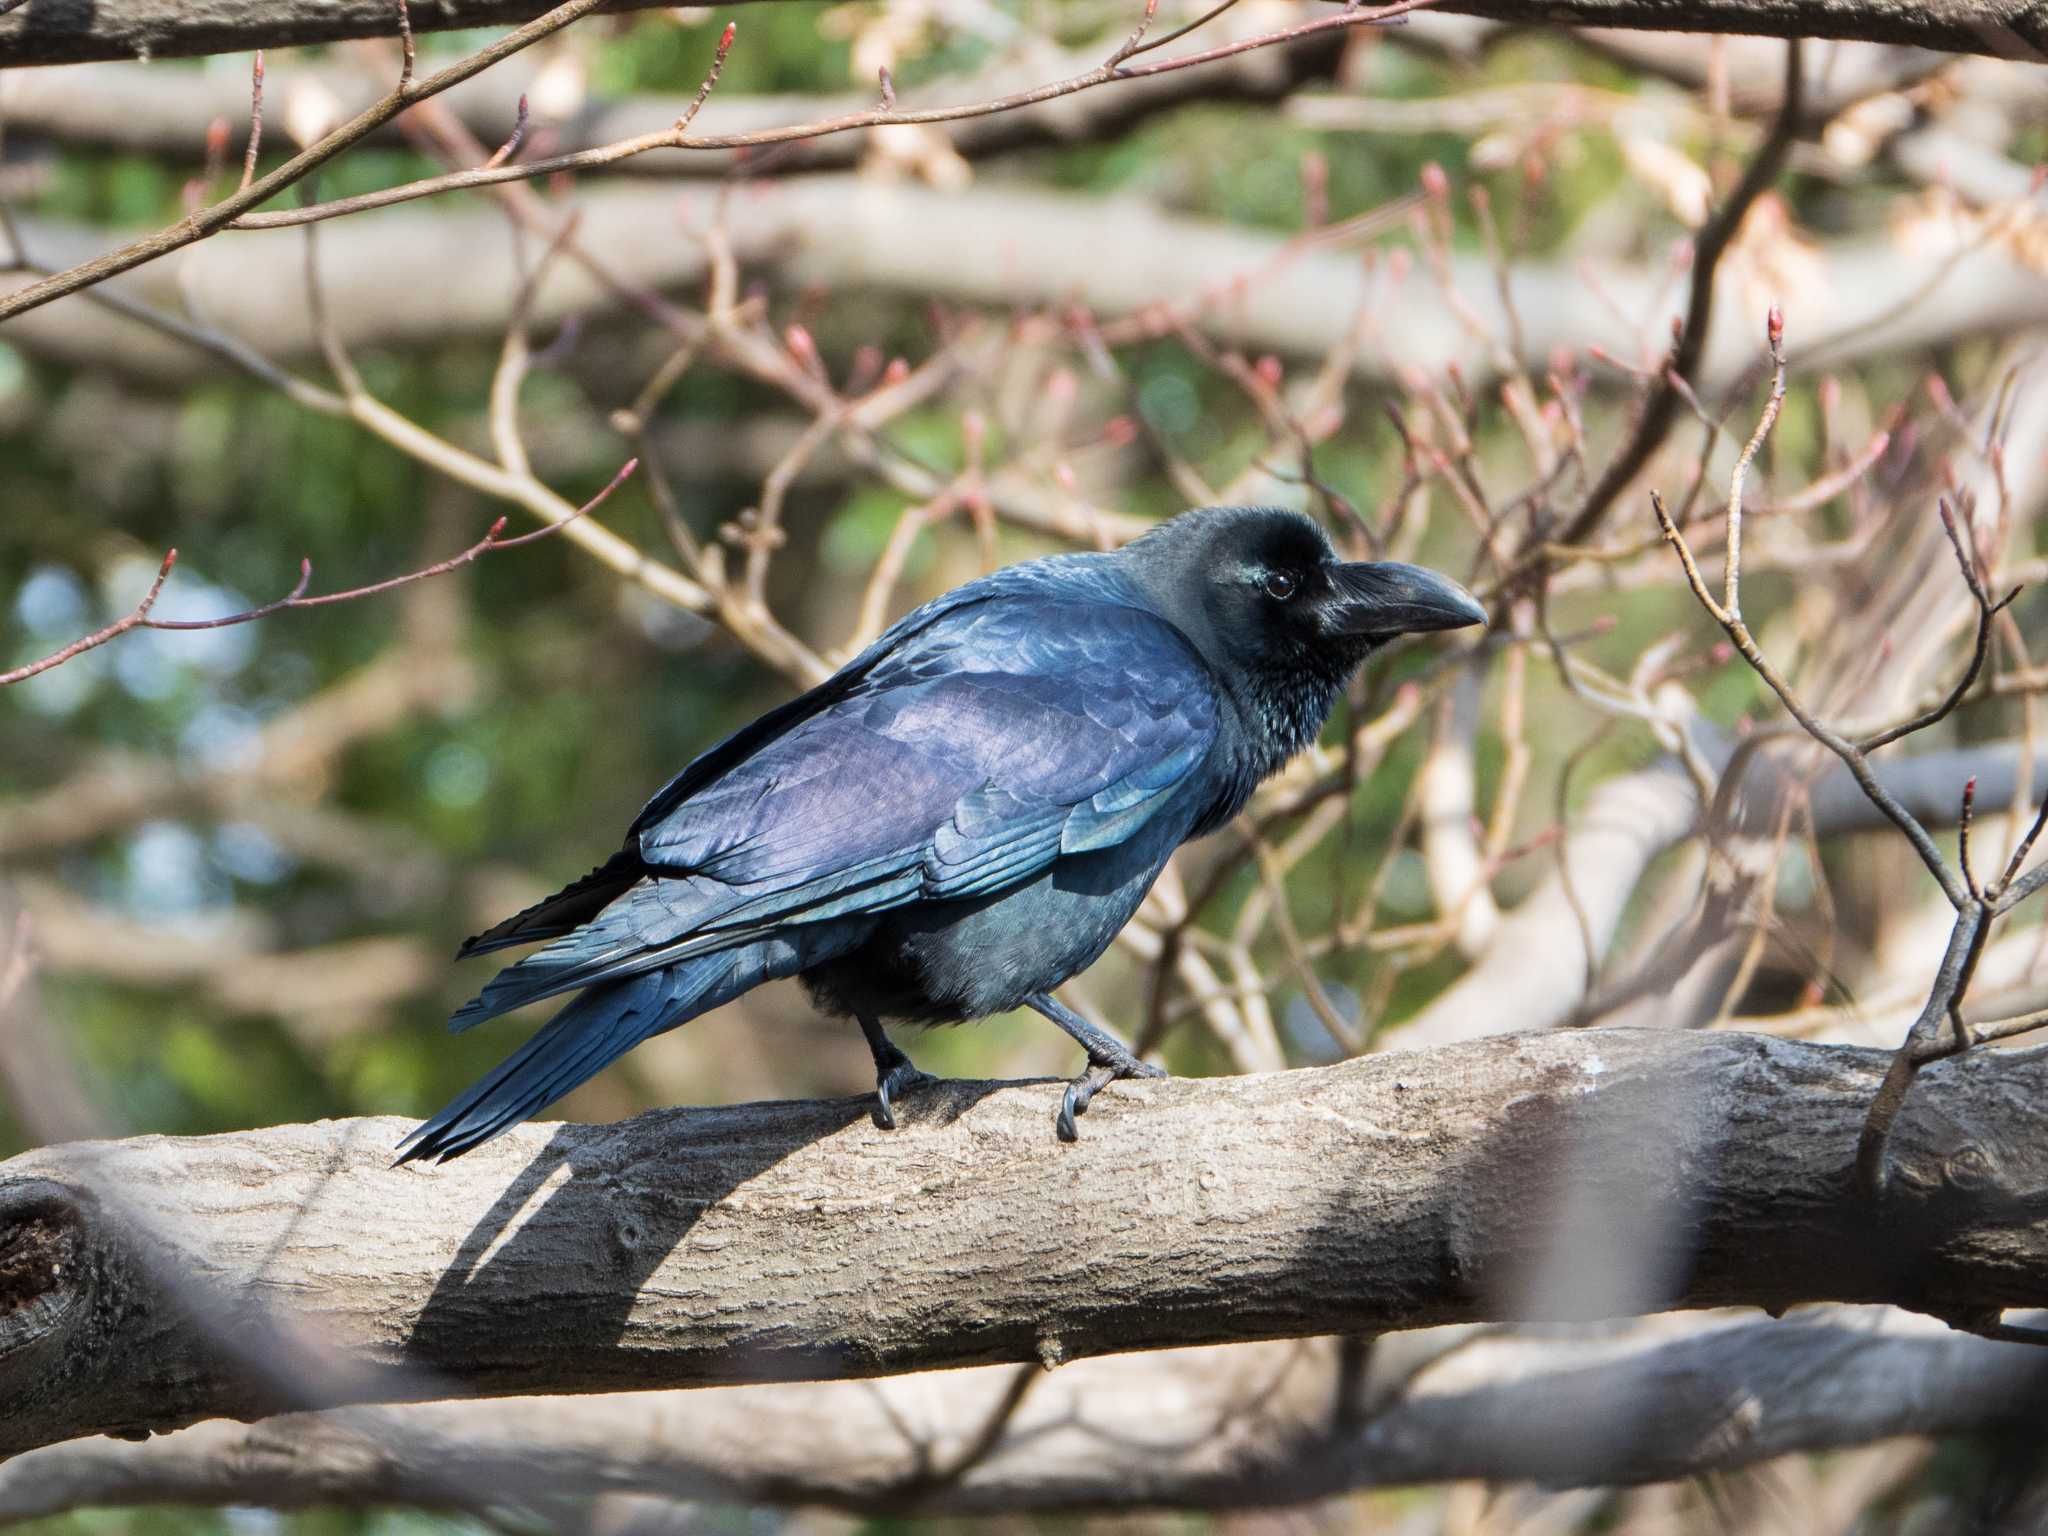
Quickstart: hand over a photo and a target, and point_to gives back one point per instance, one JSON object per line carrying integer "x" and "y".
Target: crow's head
{"x": 1262, "y": 586}
{"x": 1284, "y": 621}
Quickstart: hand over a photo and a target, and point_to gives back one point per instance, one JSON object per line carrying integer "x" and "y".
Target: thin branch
{"x": 407, "y": 52}
{"x": 1774, "y": 336}
{"x": 255, "y": 122}
{"x": 1713, "y": 243}
{"x": 1129, "y": 45}
{"x": 1184, "y": 29}
{"x": 505, "y": 151}
{"x": 2000, "y": 887}
{"x": 221, "y": 215}
{"x": 1852, "y": 758}
{"x": 1987, "y": 614}
{"x": 139, "y": 617}
{"x": 710, "y": 79}
{"x": 1923, "y": 1044}
{"x": 677, "y": 137}
{"x": 1963, "y": 821}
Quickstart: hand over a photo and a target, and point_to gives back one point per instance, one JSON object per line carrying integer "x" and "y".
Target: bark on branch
{"x": 75, "y": 31}
{"x": 149, "y": 1283}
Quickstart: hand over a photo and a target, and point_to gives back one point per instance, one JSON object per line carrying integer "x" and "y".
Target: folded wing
{"x": 1004, "y": 735}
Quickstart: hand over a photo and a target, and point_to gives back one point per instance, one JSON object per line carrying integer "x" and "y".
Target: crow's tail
{"x": 596, "y": 1029}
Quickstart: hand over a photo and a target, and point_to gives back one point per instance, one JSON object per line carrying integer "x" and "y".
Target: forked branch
{"x": 1939, "y": 1031}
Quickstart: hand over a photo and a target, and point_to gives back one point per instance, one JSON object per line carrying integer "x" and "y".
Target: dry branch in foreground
{"x": 169, "y": 112}
{"x": 153, "y": 1282}
{"x": 74, "y": 31}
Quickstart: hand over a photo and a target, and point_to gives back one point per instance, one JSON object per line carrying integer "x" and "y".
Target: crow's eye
{"x": 1280, "y": 586}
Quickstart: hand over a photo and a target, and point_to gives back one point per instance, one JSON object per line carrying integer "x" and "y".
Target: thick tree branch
{"x": 74, "y": 31}
{"x": 2004, "y": 28}
{"x": 153, "y": 1282}
{"x": 1248, "y": 1425}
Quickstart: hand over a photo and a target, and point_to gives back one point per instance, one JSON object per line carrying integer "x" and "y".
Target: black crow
{"x": 964, "y": 815}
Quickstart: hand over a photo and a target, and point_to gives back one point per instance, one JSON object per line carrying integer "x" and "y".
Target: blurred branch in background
{"x": 988, "y": 245}
{"x": 133, "y": 106}
{"x": 1240, "y": 1427}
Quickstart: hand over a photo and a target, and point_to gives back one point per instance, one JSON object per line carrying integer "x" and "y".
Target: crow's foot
{"x": 1082, "y": 1090}
{"x": 898, "y": 1079}
{"x": 1108, "y": 1059}
{"x": 894, "y": 1073}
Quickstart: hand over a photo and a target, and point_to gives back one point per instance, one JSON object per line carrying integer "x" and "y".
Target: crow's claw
{"x": 1082, "y": 1090}
{"x": 893, "y": 1073}
{"x": 900, "y": 1078}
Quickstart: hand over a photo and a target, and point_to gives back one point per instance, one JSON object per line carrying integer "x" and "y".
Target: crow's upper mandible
{"x": 965, "y": 814}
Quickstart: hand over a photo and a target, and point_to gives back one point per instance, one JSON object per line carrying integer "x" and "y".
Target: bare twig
{"x": 710, "y": 79}
{"x": 1849, "y": 752}
{"x": 255, "y": 122}
{"x": 1713, "y": 243}
{"x": 1987, "y": 614}
{"x": 219, "y": 216}
{"x": 505, "y": 151}
{"x": 1129, "y": 45}
{"x": 407, "y": 52}
{"x": 139, "y": 617}
{"x": 1774, "y": 335}
{"x": 676, "y": 137}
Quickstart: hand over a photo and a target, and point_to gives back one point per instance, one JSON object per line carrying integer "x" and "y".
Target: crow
{"x": 964, "y": 815}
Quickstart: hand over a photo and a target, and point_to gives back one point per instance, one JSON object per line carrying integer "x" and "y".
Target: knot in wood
{"x": 42, "y": 1260}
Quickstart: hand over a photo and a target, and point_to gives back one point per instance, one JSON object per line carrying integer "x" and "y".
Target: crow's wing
{"x": 582, "y": 900}
{"x": 918, "y": 633}
{"x": 1001, "y": 736}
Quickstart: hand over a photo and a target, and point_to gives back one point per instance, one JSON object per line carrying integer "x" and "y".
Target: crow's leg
{"x": 894, "y": 1073}
{"x": 1108, "y": 1059}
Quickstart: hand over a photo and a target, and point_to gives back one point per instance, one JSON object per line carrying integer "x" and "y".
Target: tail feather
{"x": 576, "y": 1044}
{"x": 572, "y": 906}
{"x": 640, "y": 932}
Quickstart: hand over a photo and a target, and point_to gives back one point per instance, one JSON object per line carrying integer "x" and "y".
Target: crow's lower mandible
{"x": 964, "y": 815}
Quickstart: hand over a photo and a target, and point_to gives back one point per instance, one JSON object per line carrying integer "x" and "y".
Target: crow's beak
{"x": 1380, "y": 599}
